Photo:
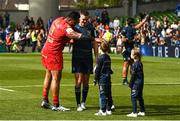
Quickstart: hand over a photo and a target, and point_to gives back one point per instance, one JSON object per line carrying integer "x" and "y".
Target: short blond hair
{"x": 136, "y": 53}
{"x": 104, "y": 46}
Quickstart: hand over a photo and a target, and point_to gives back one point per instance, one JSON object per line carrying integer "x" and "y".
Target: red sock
{"x": 45, "y": 95}
{"x": 56, "y": 101}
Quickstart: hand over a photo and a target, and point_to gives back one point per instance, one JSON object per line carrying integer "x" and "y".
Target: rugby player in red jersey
{"x": 60, "y": 33}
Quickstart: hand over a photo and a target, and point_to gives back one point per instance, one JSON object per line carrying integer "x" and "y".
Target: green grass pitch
{"x": 21, "y": 79}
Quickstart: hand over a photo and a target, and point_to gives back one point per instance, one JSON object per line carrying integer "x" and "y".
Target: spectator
{"x": 176, "y": 38}
{"x": 40, "y": 37}
{"x": 17, "y": 39}
{"x": 28, "y": 37}
{"x": 165, "y": 23}
{"x": 2, "y": 35}
{"x": 107, "y": 35}
{"x": 26, "y": 21}
{"x": 174, "y": 25}
{"x": 49, "y": 23}
{"x": 158, "y": 28}
{"x": 23, "y": 39}
{"x": 154, "y": 38}
{"x": 7, "y": 18}
{"x": 32, "y": 23}
{"x": 105, "y": 17}
{"x": 9, "y": 40}
{"x": 152, "y": 23}
{"x": 97, "y": 13}
{"x": 40, "y": 23}
{"x": 34, "y": 39}
{"x": 116, "y": 23}
{"x": 115, "y": 36}
{"x": 1, "y": 21}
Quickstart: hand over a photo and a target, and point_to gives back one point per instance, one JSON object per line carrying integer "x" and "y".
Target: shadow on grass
{"x": 154, "y": 110}
{"x": 151, "y": 110}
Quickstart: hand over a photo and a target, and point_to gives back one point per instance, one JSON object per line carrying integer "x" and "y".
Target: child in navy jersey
{"x": 103, "y": 73}
{"x": 136, "y": 84}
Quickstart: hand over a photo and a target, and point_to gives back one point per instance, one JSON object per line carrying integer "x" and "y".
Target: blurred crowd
{"x": 153, "y": 32}
{"x": 33, "y": 33}
{"x": 30, "y": 33}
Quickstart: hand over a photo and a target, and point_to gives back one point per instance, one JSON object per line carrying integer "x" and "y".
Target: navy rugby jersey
{"x": 103, "y": 66}
{"x": 137, "y": 74}
{"x": 129, "y": 32}
{"x": 83, "y": 48}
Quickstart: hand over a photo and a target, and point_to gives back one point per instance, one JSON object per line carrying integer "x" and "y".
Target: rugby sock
{"x": 124, "y": 79}
{"x": 56, "y": 101}
{"x": 85, "y": 93}
{"x": 45, "y": 95}
{"x": 78, "y": 94}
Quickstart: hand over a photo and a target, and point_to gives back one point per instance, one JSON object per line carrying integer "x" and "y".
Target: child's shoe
{"x": 141, "y": 114}
{"x": 112, "y": 107}
{"x": 79, "y": 108}
{"x": 100, "y": 113}
{"x": 83, "y": 105}
{"x": 108, "y": 112}
{"x": 132, "y": 115}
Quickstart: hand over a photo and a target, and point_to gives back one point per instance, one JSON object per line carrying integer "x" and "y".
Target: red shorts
{"x": 52, "y": 61}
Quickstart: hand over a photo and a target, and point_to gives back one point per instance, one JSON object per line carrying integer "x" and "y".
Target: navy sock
{"x": 125, "y": 79}
{"x": 78, "y": 94}
{"x": 85, "y": 93}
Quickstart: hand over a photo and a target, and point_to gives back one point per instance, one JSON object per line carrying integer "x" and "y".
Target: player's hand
{"x": 99, "y": 40}
{"x": 146, "y": 18}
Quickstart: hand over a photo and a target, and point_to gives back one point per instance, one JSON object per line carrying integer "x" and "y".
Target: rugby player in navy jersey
{"x": 128, "y": 33}
{"x": 82, "y": 59}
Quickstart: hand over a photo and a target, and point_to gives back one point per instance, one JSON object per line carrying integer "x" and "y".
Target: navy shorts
{"x": 126, "y": 56}
{"x": 82, "y": 65}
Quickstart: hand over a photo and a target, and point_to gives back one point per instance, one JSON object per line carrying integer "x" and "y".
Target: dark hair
{"x": 130, "y": 21}
{"x": 74, "y": 15}
{"x": 104, "y": 46}
{"x": 142, "y": 15}
{"x": 84, "y": 12}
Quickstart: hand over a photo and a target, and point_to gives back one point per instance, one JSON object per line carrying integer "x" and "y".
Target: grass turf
{"x": 23, "y": 75}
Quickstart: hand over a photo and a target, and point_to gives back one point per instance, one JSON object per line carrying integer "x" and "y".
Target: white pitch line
{"x": 22, "y": 86}
{"x": 162, "y": 83}
{"x": 70, "y": 85}
{"x": 4, "y": 89}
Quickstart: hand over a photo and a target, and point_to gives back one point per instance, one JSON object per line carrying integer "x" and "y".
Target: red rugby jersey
{"x": 57, "y": 36}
